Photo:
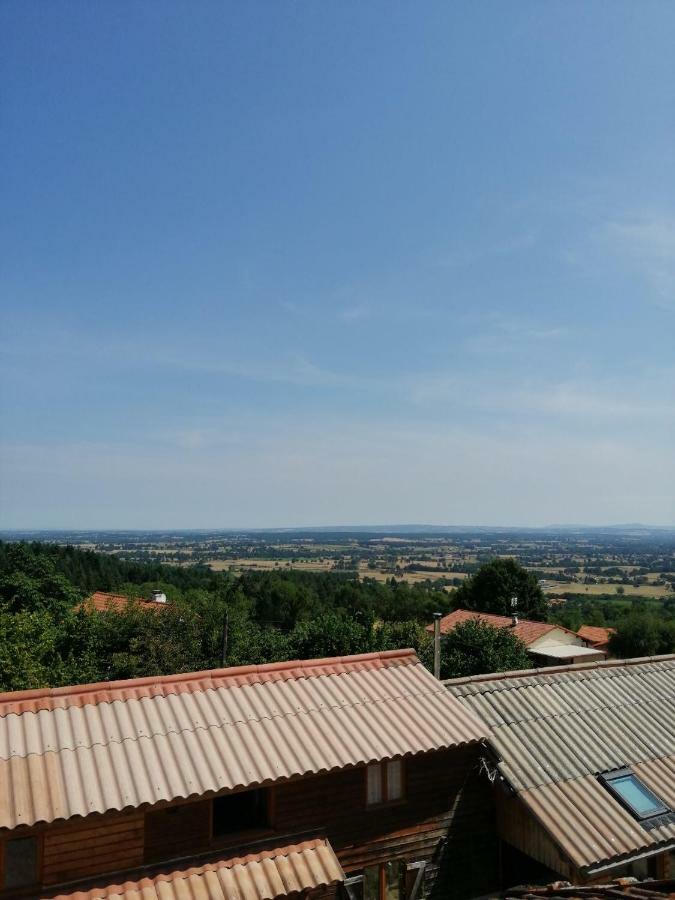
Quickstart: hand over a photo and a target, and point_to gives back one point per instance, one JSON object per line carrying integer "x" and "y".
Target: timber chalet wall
{"x": 446, "y": 818}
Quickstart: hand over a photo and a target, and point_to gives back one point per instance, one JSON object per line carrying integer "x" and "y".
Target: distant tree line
{"x": 49, "y": 638}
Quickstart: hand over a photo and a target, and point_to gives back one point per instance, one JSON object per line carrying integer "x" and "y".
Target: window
{"x": 21, "y": 862}
{"x": 384, "y": 782}
{"x": 240, "y": 812}
{"x": 386, "y": 881}
{"x": 633, "y": 794}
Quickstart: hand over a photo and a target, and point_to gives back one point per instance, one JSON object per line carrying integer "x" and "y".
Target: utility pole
{"x": 437, "y": 645}
{"x": 226, "y": 628}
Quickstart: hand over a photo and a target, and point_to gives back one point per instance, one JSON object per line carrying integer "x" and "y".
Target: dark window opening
{"x": 21, "y": 862}
{"x": 240, "y": 812}
{"x": 633, "y": 794}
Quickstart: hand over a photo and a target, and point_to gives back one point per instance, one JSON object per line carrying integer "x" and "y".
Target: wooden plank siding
{"x": 446, "y": 818}
{"x": 75, "y": 850}
{"x": 521, "y": 830}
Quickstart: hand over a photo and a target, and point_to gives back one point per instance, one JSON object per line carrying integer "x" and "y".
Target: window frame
{"x": 23, "y": 889}
{"x": 607, "y": 779}
{"x": 419, "y": 868}
{"x": 383, "y": 765}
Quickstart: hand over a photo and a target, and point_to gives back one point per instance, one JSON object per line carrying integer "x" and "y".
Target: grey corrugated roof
{"x": 556, "y": 730}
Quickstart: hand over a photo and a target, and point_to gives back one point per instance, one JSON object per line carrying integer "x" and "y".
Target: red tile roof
{"x": 595, "y": 635}
{"x": 102, "y": 601}
{"x": 527, "y": 630}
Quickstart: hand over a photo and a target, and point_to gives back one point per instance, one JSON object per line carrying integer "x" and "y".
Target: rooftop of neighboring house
{"x": 527, "y": 630}
{"x": 86, "y": 749}
{"x": 589, "y": 750}
{"x": 620, "y": 887}
{"x": 596, "y": 635}
{"x": 102, "y": 601}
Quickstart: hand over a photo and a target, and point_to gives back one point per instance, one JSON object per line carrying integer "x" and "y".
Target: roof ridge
{"x": 508, "y": 619}
{"x": 304, "y": 668}
{"x": 556, "y": 670}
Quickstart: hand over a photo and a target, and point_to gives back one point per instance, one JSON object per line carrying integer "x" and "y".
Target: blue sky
{"x": 298, "y": 263}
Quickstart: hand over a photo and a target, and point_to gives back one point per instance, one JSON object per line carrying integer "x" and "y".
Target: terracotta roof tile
{"x": 102, "y": 601}
{"x": 527, "y": 630}
{"x": 595, "y": 635}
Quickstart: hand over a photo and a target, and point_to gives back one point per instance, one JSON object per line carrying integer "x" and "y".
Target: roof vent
{"x": 514, "y": 611}
{"x": 158, "y": 597}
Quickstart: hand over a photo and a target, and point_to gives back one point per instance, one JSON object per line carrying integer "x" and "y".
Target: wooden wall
{"x": 520, "y": 829}
{"x": 446, "y": 818}
{"x": 96, "y": 844}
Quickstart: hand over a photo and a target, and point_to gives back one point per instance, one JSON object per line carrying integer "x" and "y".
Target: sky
{"x": 294, "y": 263}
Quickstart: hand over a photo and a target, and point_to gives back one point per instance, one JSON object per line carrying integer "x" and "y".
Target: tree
{"x": 642, "y": 634}
{"x": 493, "y": 586}
{"x": 475, "y": 648}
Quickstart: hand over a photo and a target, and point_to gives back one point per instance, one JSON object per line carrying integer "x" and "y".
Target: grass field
{"x": 592, "y": 590}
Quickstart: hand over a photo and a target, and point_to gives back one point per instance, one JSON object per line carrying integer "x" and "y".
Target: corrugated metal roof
{"x": 556, "y": 730}
{"x": 261, "y": 876}
{"x": 117, "y": 746}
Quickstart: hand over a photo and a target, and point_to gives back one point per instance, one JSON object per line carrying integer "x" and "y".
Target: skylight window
{"x": 633, "y": 794}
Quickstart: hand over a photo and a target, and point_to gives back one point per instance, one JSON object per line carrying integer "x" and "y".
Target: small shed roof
{"x": 257, "y": 876}
{"x": 116, "y": 745}
{"x": 596, "y": 635}
{"x": 556, "y": 729}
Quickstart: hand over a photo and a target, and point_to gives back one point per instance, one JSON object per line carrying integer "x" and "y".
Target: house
{"x": 358, "y": 775}
{"x": 596, "y": 636}
{"x": 548, "y": 644}
{"x": 583, "y": 768}
{"x": 103, "y": 601}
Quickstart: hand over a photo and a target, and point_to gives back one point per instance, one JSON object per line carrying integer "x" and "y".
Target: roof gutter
{"x": 622, "y": 861}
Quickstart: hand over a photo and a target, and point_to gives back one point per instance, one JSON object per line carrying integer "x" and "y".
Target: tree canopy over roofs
{"x": 493, "y": 586}
{"x": 51, "y": 637}
{"x": 474, "y": 647}
{"x": 642, "y": 634}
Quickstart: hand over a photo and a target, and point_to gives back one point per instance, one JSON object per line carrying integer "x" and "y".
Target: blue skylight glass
{"x": 637, "y": 795}
{"x": 634, "y": 795}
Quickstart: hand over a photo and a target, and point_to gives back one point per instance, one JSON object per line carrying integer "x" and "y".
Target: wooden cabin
{"x": 356, "y": 777}
{"x": 583, "y": 768}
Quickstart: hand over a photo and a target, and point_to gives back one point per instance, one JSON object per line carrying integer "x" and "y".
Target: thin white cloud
{"x": 647, "y": 245}
{"x": 347, "y": 472}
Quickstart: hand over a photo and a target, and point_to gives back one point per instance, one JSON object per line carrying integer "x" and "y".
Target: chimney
{"x": 158, "y": 597}
{"x": 514, "y": 611}
{"x": 437, "y": 644}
